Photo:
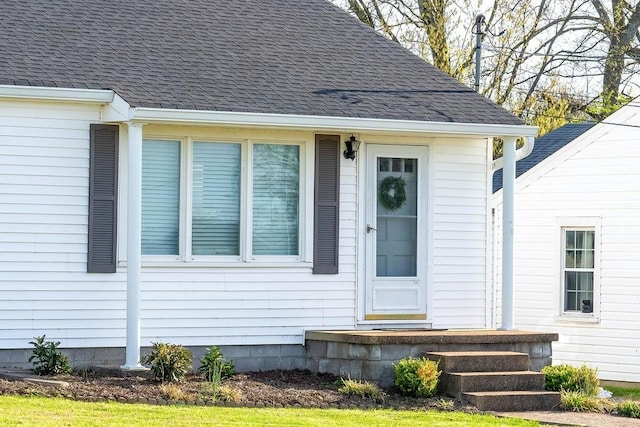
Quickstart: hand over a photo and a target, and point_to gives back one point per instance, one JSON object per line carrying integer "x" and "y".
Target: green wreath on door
{"x": 392, "y": 193}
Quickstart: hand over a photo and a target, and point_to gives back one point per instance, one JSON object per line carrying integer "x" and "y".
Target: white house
{"x": 179, "y": 172}
{"x": 577, "y": 230}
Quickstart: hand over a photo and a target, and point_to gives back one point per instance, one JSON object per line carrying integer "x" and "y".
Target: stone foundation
{"x": 366, "y": 355}
{"x": 245, "y": 358}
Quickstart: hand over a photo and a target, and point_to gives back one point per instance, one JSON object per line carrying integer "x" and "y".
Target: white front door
{"x": 396, "y": 233}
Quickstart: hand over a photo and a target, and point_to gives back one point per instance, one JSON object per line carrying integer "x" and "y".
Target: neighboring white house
{"x": 577, "y": 234}
{"x": 174, "y": 171}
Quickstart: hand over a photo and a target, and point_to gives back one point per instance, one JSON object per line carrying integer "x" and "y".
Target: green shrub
{"x": 578, "y": 401}
{"x": 569, "y": 378}
{"x": 417, "y": 377}
{"x": 169, "y": 362}
{"x": 629, "y": 408}
{"x": 209, "y": 364}
{"x": 47, "y": 359}
{"x": 363, "y": 389}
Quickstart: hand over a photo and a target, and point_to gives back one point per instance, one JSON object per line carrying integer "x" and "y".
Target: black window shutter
{"x": 326, "y": 204}
{"x": 103, "y": 198}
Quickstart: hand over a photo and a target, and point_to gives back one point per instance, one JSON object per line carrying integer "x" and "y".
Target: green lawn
{"x": 43, "y": 411}
{"x": 624, "y": 393}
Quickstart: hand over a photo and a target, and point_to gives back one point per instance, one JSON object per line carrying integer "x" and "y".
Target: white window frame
{"x": 246, "y": 258}
{"x": 578, "y": 224}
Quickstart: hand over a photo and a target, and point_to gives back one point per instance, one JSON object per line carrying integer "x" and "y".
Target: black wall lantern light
{"x": 352, "y": 145}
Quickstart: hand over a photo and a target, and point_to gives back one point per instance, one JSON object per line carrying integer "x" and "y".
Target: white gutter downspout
{"x": 508, "y": 163}
{"x": 134, "y": 219}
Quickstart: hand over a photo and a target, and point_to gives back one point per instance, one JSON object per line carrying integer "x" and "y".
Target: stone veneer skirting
{"x": 366, "y": 355}
{"x": 246, "y": 358}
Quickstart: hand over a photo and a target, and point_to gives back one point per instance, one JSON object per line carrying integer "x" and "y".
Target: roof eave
{"x": 117, "y": 110}
{"x": 326, "y": 123}
{"x": 96, "y": 96}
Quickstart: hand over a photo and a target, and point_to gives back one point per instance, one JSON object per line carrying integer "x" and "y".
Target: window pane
{"x": 160, "y": 197}
{"x": 276, "y": 181}
{"x": 587, "y": 259}
{"x": 571, "y": 294}
{"x": 571, "y": 239}
{"x": 216, "y": 199}
{"x": 589, "y": 240}
{"x": 408, "y": 165}
{"x": 570, "y": 260}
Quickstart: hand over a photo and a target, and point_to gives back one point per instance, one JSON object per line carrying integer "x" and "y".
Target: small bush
{"x": 569, "y": 378}
{"x": 228, "y": 394}
{"x": 169, "y": 362}
{"x": 209, "y": 361}
{"x": 47, "y": 359}
{"x": 578, "y": 401}
{"x": 173, "y": 392}
{"x": 363, "y": 389}
{"x": 629, "y": 408}
{"x": 417, "y": 377}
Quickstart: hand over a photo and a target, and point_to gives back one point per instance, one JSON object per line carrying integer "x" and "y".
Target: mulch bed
{"x": 294, "y": 388}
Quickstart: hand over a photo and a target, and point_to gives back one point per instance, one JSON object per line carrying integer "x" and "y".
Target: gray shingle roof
{"x": 304, "y": 57}
{"x": 545, "y": 146}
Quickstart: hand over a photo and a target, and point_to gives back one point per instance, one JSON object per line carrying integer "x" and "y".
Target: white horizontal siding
{"x": 459, "y": 230}
{"x": 599, "y": 177}
{"x": 207, "y": 306}
{"x": 44, "y": 160}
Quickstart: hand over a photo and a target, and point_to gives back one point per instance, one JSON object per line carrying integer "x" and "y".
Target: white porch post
{"x": 134, "y": 218}
{"x": 508, "y": 193}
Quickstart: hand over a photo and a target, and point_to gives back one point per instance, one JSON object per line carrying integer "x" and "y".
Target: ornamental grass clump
{"x": 362, "y": 389}
{"x": 578, "y": 401}
{"x": 629, "y": 408}
{"x": 169, "y": 362}
{"x": 417, "y": 376}
{"x": 47, "y": 359}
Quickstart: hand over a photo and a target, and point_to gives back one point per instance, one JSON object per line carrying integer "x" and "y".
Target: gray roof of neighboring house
{"x": 303, "y": 57}
{"x": 545, "y": 146}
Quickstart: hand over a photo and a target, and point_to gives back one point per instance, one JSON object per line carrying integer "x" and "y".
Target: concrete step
{"x": 453, "y": 384}
{"x": 506, "y": 401}
{"x": 480, "y": 361}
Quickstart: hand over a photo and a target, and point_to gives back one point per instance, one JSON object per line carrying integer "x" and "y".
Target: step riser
{"x": 455, "y": 384}
{"x": 507, "y": 403}
{"x": 494, "y": 381}
{"x": 467, "y": 363}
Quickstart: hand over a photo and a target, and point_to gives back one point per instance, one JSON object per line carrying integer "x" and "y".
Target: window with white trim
{"x": 578, "y": 269}
{"x": 233, "y": 201}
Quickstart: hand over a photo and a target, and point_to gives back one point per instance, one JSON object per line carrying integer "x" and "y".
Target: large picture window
{"x": 222, "y": 181}
{"x": 578, "y": 270}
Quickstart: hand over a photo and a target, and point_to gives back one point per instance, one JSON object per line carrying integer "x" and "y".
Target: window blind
{"x": 216, "y": 199}
{"x": 160, "y": 197}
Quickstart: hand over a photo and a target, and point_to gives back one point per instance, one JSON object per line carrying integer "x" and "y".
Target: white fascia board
{"x": 117, "y": 111}
{"x": 96, "y": 96}
{"x": 326, "y": 123}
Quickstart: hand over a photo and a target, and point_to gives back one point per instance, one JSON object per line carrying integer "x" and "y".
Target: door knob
{"x": 369, "y": 228}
